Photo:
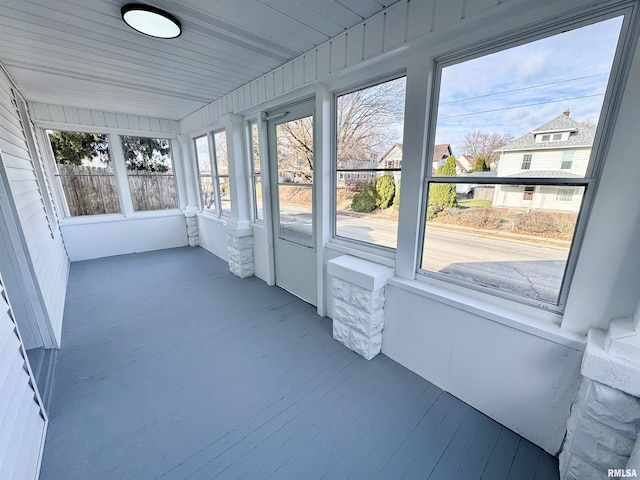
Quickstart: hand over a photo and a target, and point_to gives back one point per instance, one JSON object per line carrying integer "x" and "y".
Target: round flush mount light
{"x": 151, "y": 21}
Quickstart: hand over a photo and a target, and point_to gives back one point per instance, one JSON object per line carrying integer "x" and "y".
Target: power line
{"x": 523, "y": 88}
{"x": 521, "y": 106}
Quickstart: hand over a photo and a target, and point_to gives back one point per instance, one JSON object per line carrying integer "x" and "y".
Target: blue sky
{"x": 566, "y": 71}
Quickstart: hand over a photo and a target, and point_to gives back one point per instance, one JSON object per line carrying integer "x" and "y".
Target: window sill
{"x": 365, "y": 252}
{"x": 520, "y": 317}
{"x": 119, "y": 217}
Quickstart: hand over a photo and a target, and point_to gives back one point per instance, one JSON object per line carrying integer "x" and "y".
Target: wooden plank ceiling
{"x": 80, "y": 53}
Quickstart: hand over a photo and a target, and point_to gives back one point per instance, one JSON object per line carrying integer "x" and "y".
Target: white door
{"x": 291, "y": 160}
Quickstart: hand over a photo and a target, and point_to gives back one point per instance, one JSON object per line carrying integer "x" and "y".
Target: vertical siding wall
{"x": 42, "y": 236}
{"x": 23, "y": 417}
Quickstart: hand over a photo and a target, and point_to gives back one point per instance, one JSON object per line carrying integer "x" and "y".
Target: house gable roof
{"x": 579, "y": 136}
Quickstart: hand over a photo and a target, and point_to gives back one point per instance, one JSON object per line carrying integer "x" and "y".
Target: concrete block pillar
{"x": 191, "y": 219}
{"x": 358, "y": 303}
{"x": 240, "y": 251}
{"x": 603, "y": 426}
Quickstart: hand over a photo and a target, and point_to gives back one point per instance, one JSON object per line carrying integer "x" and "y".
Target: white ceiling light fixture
{"x": 151, "y": 21}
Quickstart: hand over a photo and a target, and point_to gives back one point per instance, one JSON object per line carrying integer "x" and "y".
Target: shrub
{"x": 483, "y": 217}
{"x": 443, "y": 195}
{"x": 366, "y": 200}
{"x": 386, "y": 188}
{"x": 560, "y": 225}
{"x": 396, "y": 198}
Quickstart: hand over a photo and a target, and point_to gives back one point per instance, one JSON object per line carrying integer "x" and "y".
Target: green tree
{"x": 386, "y": 188}
{"x": 396, "y": 198}
{"x": 365, "y": 201}
{"x": 482, "y": 165}
{"x": 147, "y": 154}
{"x": 443, "y": 195}
{"x": 71, "y": 148}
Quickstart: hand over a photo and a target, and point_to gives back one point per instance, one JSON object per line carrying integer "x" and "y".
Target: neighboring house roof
{"x": 441, "y": 152}
{"x": 395, "y": 148}
{"x": 546, "y": 174}
{"x": 580, "y": 136}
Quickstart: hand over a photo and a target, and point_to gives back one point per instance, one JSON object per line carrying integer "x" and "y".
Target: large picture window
{"x": 85, "y": 172}
{"x": 150, "y": 173}
{"x": 507, "y": 225}
{"x": 369, "y": 130}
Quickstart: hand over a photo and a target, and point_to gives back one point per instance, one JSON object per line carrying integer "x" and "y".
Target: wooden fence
{"x": 93, "y": 190}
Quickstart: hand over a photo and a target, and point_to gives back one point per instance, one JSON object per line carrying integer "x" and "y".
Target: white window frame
{"x": 565, "y": 162}
{"x": 350, "y": 174}
{"x": 171, "y": 161}
{"x": 598, "y": 151}
{"x": 213, "y": 155}
{"x": 201, "y": 196}
{"x": 255, "y": 175}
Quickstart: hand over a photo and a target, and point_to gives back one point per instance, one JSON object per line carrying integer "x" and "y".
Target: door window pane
{"x": 294, "y": 143}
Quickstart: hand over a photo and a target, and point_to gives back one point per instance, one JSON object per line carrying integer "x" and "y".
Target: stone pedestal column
{"x": 193, "y": 237}
{"x": 358, "y": 303}
{"x": 603, "y": 426}
{"x": 240, "y": 251}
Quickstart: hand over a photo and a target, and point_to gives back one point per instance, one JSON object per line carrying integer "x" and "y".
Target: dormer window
{"x": 545, "y": 138}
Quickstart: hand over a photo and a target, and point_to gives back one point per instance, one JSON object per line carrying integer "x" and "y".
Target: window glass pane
{"x": 257, "y": 188}
{"x": 295, "y": 151}
{"x": 296, "y": 213}
{"x": 509, "y": 120}
{"x": 255, "y": 147}
{"x": 513, "y": 239}
{"x": 370, "y": 126}
{"x": 220, "y": 141}
{"x": 255, "y": 162}
{"x": 225, "y": 195}
{"x": 85, "y": 172}
{"x": 150, "y": 173}
{"x": 509, "y": 106}
{"x": 204, "y": 172}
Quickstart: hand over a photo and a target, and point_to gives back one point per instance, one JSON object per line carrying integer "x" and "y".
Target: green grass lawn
{"x": 468, "y": 203}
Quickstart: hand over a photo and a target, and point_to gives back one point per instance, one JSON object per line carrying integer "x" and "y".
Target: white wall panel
{"x": 373, "y": 36}
{"x": 78, "y": 117}
{"x": 523, "y": 381}
{"x": 98, "y": 239}
{"x": 213, "y": 235}
{"x": 355, "y": 45}
{"x": 446, "y": 13}
{"x": 395, "y": 26}
{"x": 338, "y": 52}
{"x": 310, "y": 66}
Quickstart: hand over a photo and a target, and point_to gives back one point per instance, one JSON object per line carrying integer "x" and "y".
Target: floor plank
{"x": 172, "y": 368}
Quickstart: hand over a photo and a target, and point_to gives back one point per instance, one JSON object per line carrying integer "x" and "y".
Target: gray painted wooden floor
{"x": 172, "y": 368}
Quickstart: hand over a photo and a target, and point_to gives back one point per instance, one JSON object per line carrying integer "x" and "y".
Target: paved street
{"x": 528, "y": 269}
{"x": 515, "y": 266}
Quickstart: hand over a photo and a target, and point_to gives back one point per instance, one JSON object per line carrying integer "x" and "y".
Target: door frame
{"x": 323, "y": 144}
